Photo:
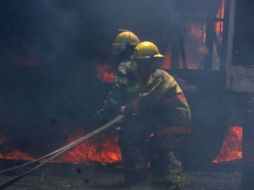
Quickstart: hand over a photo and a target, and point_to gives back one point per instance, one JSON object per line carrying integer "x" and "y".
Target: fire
{"x": 105, "y": 73}
{"x": 104, "y": 151}
{"x": 197, "y": 32}
{"x": 196, "y": 49}
{"x": 219, "y": 23}
{"x": 203, "y": 50}
{"x": 15, "y": 155}
{"x": 221, "y": 11}
{"x": 166, "y": 61}
{"x": 232, "y": 146}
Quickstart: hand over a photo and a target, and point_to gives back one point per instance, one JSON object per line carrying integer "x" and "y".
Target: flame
{"x": 104, "y": 151}
{"x": 167, "y": 61}
{"x": 203, "y": 50}
{"x": 197, "y": 32}
{"x": 105, "y": 73}
{"x": 221, "y": 11}
{"x": 107, "y": 151}
{"x": 220, "y": 23}
{"x": 15, "y": 155}
{"x": 232, "y": 146}
{"x": 196, "y": 49}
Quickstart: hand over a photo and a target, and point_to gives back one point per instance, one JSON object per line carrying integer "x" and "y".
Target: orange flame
{"x": 221, "y": 11}
{"x": 167, "y": 61}
{"x": 220, "y": 16}
{"x": 105, "y": 73}
{"x": 105, "y": 151}
{"x": 232, "y": 146}
{"x": 15, "y": 155}
{"x": 197, "y": 32}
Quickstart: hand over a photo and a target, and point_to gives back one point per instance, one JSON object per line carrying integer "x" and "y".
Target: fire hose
{"x": 51, "y": 156}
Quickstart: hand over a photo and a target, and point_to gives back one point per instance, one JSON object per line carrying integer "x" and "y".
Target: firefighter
{"x": 125, "y": 41}
{"x": 157, "y": 123}
{"x": 123, "y": 47}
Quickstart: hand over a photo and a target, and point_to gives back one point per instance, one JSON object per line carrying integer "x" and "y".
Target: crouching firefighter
{"x": 156, "y": 124}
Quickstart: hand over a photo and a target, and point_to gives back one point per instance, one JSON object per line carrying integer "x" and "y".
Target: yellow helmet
{"x": 146, "y": 56}
{"x": 124, "y": 39}
{"x": 146, "y": 50}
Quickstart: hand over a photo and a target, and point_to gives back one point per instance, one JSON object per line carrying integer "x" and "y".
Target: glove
{"x": 131, "y": 109}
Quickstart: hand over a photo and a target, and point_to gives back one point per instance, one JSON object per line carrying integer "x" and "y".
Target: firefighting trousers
{"x": 167, "y": 154}
{"x": 133, "y": 141}
{"x": 140, "y": 147}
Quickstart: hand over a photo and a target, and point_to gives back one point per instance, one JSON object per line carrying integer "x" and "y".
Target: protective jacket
{"x": 156, "y": 128}
{"x": 162, "y": 99}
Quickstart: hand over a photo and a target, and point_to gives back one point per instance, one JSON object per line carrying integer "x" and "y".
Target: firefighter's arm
{"x": 146, "y": 99}
{"x": 111, "y": 104}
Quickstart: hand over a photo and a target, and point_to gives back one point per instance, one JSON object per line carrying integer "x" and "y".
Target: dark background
{"x": 244, "y": 29}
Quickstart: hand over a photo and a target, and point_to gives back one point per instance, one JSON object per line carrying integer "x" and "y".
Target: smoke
{"x": 49, "y": 49}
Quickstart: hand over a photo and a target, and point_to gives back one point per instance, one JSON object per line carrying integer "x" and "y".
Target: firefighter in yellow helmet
{"x": 124, "y": 40}
{"x": 157, "y": 123}
{"x": 123, "y": 47}
{"x": 125, "y": 82}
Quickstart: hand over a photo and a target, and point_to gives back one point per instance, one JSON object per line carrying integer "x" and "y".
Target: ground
{"x": 94, "y": 177}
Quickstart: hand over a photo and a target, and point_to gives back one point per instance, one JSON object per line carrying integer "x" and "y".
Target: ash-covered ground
{"x": 94, "y": 177}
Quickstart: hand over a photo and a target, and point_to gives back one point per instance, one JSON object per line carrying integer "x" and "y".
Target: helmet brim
{"x": 121, "y": 44}
{"x": 150, "y": 57}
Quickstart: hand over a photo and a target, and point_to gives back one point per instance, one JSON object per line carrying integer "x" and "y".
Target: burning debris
{"x": 232, "y": 146}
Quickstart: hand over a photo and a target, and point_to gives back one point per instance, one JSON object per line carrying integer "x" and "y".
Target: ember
{"x": 105, "y": 73}
{"x": 232, "y": 146}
